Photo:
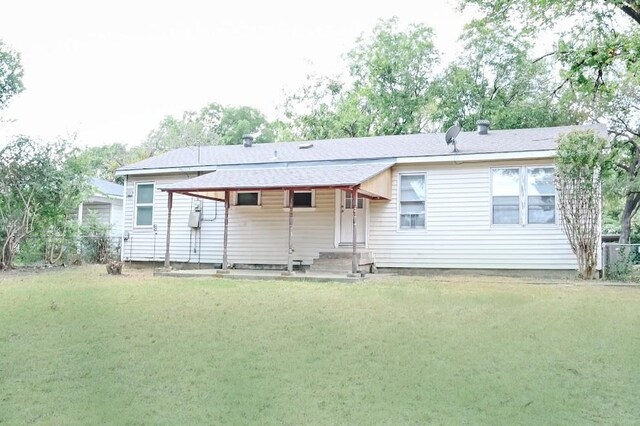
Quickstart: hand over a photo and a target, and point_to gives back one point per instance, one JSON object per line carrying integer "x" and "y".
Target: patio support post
{"x": 226, "y": 231}
{"x": 167, "y": 256}
{"x": 290, "y": 253}
{"x": 354, "y": 208}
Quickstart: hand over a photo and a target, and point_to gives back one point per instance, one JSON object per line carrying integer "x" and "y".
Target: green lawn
{"x": 78, "y": 346}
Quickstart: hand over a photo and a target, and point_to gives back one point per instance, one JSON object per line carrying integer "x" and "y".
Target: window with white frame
{"x": 523, "y": 195}
{"x": 541, "y": 195}
{"x": 301, "y": 199}
{"x": 144, "y": 204}
{"x": 412, "y": 201}
{"x": 248, "y": 198}
{"x": 505, "y": 190}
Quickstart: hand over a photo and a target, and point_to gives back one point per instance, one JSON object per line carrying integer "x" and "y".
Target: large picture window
{"x": 144, "y": 204}
{"x": 528, "y": 188}
{"x": 412, "y": 201}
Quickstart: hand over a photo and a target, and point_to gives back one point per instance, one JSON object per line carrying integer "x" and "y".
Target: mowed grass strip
{"x": 78, "y": 346}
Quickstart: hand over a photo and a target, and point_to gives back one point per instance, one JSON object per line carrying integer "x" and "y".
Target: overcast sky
{"x": 110, "y": 71}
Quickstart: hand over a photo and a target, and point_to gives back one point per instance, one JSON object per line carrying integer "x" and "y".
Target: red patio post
{"x": 167, "y": 257}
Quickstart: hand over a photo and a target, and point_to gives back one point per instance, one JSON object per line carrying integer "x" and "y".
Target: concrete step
{"x": 334, "y": 255}
{"x": 340, "y": 261}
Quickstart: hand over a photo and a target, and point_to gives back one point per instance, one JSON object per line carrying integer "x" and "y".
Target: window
{"x": 301, "y": 199}
{"x": 412, "y": 201}
{"x": 348, "y": 201}
{"x": 541, "y": 199}
{"x": 505, "y": 188}
{"x": 247, "y": 198}
{"x": 144, "y": 204}
{"x": 509, "y": 195}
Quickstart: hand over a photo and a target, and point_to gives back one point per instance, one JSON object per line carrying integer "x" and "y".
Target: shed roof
{"x": 109, "y": 189}
{"x": 366, "y": 148}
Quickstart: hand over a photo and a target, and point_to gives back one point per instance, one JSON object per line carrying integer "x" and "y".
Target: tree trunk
{"x": 630, "y": 208}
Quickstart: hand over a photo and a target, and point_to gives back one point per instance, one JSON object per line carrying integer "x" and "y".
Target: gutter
{"x": 456, "y": 158}
{"x": 459, "y": 158}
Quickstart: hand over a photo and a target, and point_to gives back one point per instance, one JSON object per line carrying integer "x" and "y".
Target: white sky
{"x": 110, "y": 71}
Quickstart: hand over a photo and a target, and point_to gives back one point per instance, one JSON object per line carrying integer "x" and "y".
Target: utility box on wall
{"x": 195, "y": 218}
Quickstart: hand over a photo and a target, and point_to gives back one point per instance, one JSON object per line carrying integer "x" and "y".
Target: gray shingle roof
{"x": 104, "y": 187}
{"x": 377, "y": 147}
{"x": 335, "y": 175}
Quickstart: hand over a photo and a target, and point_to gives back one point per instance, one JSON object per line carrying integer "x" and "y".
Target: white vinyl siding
{"x": 256, "y": 235}
{"x": 459, "y": 230}
{"x": 412, "y": 201}
{"x": 144, "y": 204}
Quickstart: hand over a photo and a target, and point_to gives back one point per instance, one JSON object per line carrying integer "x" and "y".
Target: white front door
{"x": 346, "y": 220}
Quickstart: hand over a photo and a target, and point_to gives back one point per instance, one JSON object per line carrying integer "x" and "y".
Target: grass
{"x": 77, "y": 346}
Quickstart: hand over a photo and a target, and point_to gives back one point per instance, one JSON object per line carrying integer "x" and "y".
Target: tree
{"x": 580, "y": 165}
{"x": 11, "y": 73}
{"x": 622, "y": 113}
{"x": 495, "y": 79}
{"x": 603, "y": 35}
{"x": 44, "y": 179}
{"x": 386, "y": 92}
{"x": 212, "y": 125}
{"x": 103, "y": 161}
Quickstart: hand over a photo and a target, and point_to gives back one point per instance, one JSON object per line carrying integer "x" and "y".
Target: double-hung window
{"x": 412, "y": 201}
{"x": 506, "y": 196}
{"x": 541, "y": 195}
{"x": 144, "y": 204}
{"x": 523, "y": 195}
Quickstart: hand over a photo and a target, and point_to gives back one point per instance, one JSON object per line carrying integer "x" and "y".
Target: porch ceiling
{"x": 373, "y": 180}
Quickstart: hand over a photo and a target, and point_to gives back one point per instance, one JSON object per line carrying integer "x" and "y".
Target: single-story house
{"x": 408, "y": 201}
{"x": 106, "y": 204}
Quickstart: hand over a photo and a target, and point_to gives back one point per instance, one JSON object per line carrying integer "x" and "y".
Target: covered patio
{"x": 371, "y": 180}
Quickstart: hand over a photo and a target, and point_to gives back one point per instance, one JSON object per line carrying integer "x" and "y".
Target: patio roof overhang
{"x": 372, "y": 179}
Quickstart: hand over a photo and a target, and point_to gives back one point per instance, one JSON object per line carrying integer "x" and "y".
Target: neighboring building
{"x": 490, "y": 205}
{"x": 106, "y": 204}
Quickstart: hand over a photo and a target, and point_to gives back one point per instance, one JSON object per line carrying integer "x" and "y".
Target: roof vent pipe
{"x": 483, "y": 126}
{"x": 247, "y": 140}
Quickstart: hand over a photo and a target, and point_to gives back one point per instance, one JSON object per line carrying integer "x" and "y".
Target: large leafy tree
{"x": 212, "y": 125}
{"x": 386, "y": 91}
{"x": 496, "y": 79}
{"x": 595, "y": 37}
{"x": 42, "y": 184}
{"x": 11, "y": 73}
{"x": 103, "y": 161}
